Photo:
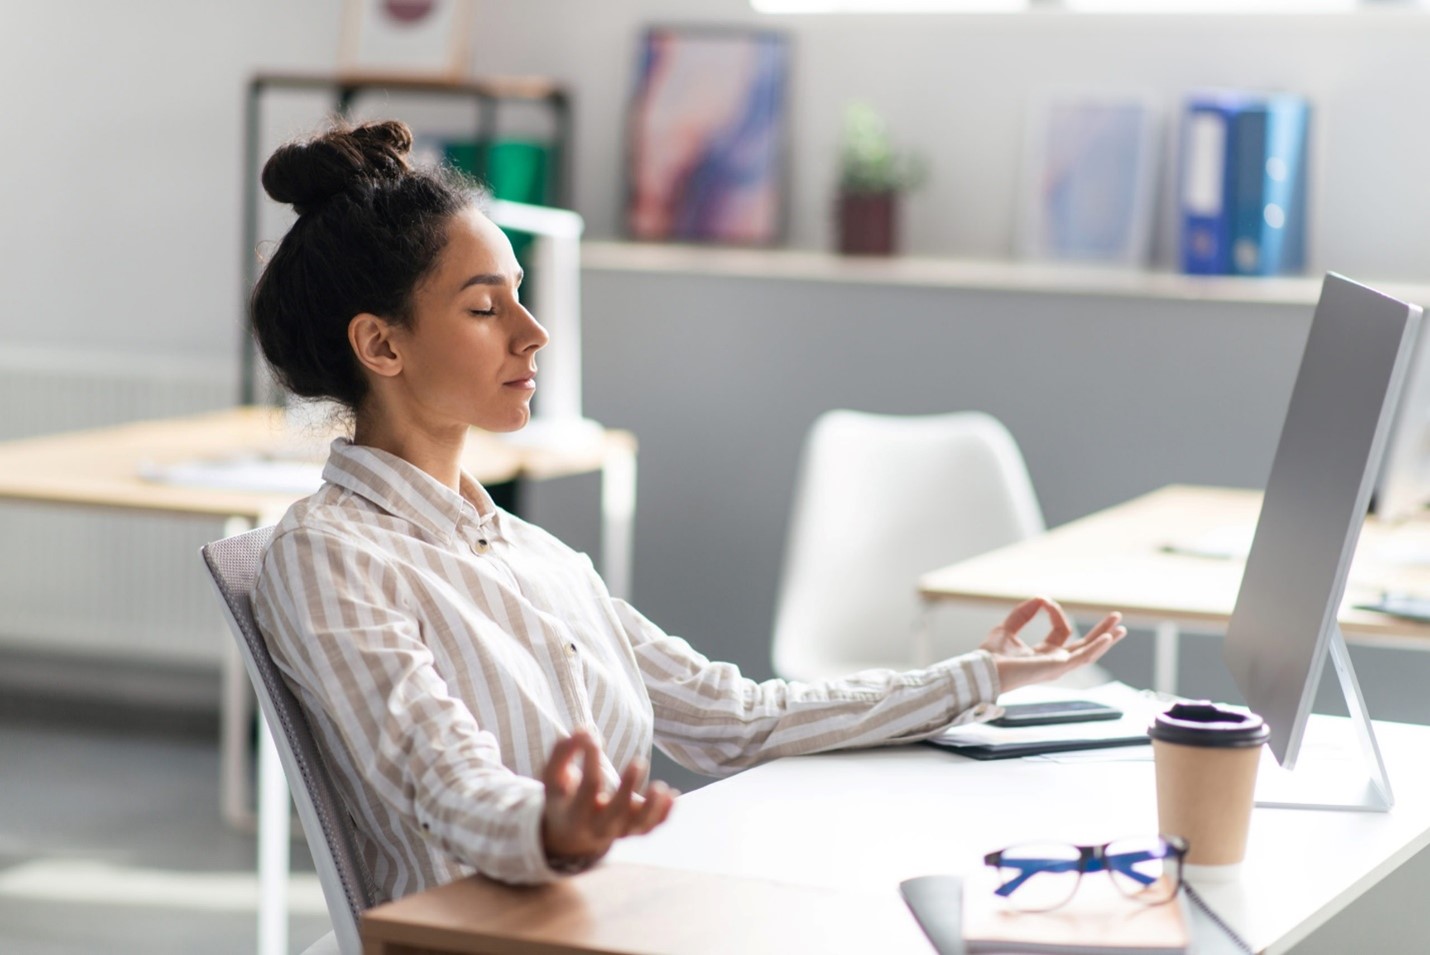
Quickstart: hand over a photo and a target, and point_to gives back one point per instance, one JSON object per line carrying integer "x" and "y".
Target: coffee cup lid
{"x": 1204, "y": 723}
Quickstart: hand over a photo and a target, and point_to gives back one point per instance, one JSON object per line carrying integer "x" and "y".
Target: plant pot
{"x": 867, "y": 222}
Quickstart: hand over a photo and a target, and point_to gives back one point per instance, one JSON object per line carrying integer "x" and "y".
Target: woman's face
{"x": 469, "y": 355}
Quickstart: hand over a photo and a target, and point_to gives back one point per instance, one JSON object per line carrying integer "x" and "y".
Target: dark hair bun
{"x": 307, "y": 174}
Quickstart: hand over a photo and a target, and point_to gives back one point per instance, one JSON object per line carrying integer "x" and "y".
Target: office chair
{"x": 879, "y": 500}
{"x": 347, "y": 886}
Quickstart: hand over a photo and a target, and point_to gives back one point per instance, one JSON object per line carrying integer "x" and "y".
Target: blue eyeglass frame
{"x": 1090, "y": 859}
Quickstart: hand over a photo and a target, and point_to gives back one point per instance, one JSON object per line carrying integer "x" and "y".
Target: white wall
{"x": 119, "y": 178}
{"x": 119, "y": 182}
{"x": 954, "y": 88}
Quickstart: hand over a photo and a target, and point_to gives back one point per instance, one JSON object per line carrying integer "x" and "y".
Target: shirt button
{"x": 483, "y": 545}
{"x": 570, "y": 649}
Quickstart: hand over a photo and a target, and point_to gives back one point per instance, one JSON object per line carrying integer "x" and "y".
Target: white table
{"x": 864, "y": 821}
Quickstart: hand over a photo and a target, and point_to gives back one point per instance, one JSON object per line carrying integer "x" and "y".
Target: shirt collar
{"x": 405, "y": 490}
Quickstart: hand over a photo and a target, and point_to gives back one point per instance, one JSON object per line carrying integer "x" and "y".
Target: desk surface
{"x": 1115, "y": 559}
{"x": 864, "y": 821}
{"x": 102, "y": 467}
{"x": 815, "y": 847}
{"x": 642, "y": 910}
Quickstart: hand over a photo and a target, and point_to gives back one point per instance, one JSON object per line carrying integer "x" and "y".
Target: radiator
{"x": 105, "y": 585}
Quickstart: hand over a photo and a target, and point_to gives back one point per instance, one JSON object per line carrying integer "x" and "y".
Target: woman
{"x": 482, "y": 701}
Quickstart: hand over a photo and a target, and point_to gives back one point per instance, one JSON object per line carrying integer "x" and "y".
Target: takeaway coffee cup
{"x": 1206, "y": 757}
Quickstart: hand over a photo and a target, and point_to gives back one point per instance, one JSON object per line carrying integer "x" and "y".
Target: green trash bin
{"x": 513, "y": 169}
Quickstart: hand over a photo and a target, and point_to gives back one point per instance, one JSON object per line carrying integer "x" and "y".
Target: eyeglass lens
{"x": 1037, "y": 877}
{"x": 1041, "y": 876}
{"x": 1144, "y": 869}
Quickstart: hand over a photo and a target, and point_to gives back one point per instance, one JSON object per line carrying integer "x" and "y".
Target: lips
{"x": 525, "y": 381}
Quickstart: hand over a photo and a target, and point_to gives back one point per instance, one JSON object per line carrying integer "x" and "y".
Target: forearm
{"x": 717, "y": 722}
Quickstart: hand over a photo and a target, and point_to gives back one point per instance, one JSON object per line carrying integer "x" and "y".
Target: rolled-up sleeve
{"x": 710, "y": 718}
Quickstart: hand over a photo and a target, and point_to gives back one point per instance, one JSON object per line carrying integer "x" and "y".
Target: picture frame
{"x": 706, "y": 136}
{"x": 1089, "y": 181}
{"x": 428, "y": 39}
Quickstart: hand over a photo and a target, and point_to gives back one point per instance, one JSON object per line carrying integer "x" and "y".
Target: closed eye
{"x": 480, "y": 311}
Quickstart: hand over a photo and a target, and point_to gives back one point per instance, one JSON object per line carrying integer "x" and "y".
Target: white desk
{"x": 865, "y": 821}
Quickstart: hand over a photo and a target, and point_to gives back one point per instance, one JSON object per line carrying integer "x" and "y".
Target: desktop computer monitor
{"x": 1283, "y": 627}
{"x": 1402, "y": 488}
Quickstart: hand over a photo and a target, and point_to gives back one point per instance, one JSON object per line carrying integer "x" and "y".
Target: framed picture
{"x": 1089, "y": 180}
{"x": 427, "y": 38}
{"x": 706, "y": 137}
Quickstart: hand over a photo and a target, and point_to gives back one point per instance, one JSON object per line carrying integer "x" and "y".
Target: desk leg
{"x": 618, "y": 513}
{"x": 273, "y": 836}
{"x": 235, "y": 712}
{"x": 1164, "y": 658}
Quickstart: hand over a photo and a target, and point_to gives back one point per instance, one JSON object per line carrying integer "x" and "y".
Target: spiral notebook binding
{"x": 1207, "y": 910}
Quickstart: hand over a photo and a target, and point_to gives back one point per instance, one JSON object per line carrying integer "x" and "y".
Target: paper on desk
{"x": 1223, "y": 542}
{"x": 264, "y": 475}
{"x": 1138, "y": 708}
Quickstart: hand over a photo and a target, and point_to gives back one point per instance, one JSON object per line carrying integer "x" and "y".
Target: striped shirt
{"x": 441, "y": 646}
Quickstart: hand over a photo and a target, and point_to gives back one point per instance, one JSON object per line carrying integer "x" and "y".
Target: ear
{"x": 371, "y": 339}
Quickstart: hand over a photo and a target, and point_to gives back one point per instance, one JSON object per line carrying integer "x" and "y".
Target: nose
{"x": 530, "y": 335}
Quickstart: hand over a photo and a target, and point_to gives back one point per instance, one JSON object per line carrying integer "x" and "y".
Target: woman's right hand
{"x": 581, "y": 821}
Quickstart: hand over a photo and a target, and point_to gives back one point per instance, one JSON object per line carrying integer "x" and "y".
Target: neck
{"x": 436, "y": 450}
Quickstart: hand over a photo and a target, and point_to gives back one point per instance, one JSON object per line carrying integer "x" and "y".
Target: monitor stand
{"x": 1331, "y": 770}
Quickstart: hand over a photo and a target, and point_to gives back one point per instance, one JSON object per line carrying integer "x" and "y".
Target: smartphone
{"x": 1060, "y": 711}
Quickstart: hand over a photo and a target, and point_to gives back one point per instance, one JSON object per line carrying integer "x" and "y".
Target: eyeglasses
{"x": 1040, "y": 877}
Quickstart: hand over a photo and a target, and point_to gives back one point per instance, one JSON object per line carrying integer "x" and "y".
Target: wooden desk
{"x": 105, "y": 467}
{"x": 1117, "y": 559}
{"x": 765, "y": 856}
{"x": 631, "y": 908}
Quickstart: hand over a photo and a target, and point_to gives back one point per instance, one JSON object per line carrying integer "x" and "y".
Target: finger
{"x": 1062, "y": 627}
{"x": 1094, "y": 649}
{"x": 1107, "y": 624}
{"x": 589, "y": 791}
{"x": 1019, "y": 616}
{"x": 558, "y": 775}
{"x": 659, "y": 800}
{"x": 613, "y": 820}
{"x": 651, "y": 809}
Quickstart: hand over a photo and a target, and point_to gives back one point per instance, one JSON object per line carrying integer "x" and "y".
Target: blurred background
{"x": 123, "y": 219}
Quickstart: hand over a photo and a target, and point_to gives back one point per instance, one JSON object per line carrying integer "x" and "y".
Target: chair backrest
{"x": 879, "y": 500}
{"x": 347, "y": 886}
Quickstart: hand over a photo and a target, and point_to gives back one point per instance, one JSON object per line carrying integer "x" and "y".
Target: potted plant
{"x": 871, "y": 177}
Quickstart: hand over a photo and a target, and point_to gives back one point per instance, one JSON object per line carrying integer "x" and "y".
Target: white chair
{"x": 879, "y": 500}
{"x": 347, "y": 887}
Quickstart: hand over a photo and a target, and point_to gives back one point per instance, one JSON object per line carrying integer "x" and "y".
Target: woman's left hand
{"x": 1019, "y": 664}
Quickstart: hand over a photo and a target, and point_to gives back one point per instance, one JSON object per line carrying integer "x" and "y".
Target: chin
{"x": 509, "y": 425}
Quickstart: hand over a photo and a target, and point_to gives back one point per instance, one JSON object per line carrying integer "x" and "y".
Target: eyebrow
{"x": 491, "y": 278}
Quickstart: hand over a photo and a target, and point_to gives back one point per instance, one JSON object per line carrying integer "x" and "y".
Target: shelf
{"x": 493, "y": 87}
{"x": 805, "y": 265}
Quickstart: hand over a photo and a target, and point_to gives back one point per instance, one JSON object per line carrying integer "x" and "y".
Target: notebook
{"x": 1098, "y": 920}
{"x": 982, "y": 740}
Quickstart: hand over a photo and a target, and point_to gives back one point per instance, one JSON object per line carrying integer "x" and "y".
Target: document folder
{"x": 984, "y": 741}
